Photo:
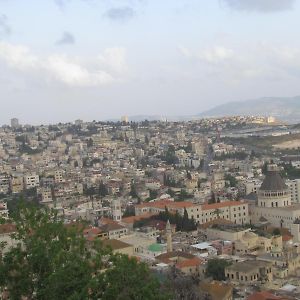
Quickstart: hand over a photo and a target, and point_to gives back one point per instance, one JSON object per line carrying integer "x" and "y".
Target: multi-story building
{"x": 234, "y": 211}
{"x": 294, "y": 186}
{"x": 251, "y": 186}
{"x": 116, "y": 210}
{"x": 46, "y": 194}
{"x": 16, "y": 184}
{"x": 4, "y": 213}
{"x": 4, "y": 183}
{"x": 59, "y": 176}
{"x": 249, "y": 272}
{"x": 31, "y": 180}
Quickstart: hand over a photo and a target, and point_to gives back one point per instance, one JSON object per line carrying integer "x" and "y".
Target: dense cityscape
{"x": 192, "y": 200}
{"x": 149, "y": 150}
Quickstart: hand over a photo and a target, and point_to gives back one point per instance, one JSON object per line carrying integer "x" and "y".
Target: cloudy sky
{"x": 97, "y": 59}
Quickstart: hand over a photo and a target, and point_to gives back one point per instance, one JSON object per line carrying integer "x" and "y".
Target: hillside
{"x": 285, "y": 109}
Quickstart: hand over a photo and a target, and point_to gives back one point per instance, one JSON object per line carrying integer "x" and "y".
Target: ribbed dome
{"x": 273, "y": 182}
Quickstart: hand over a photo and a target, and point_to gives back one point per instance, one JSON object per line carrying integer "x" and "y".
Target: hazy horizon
{"x": 62, "y": 60}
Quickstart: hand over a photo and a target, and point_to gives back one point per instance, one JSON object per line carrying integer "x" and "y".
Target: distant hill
{"x": 285, "y": 109}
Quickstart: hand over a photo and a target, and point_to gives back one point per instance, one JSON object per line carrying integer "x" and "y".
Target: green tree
{"x": 168, "y": 181}
{"x": 90, "y": 142}
{"x": 170, "y": 156}
{"x": 54, "y": 261}
{"x": 216, "y": 268}
{"x": 123, "y": 286}
{"x": 232, "y": 180}
{"x": 183, "y": 223}
{"x": 276, "y": 231}
{"x": 212, "y": 199}
{"x": 89, "y": 191}
{"x": 102, "y": 189}
{"x": 129, "y": 211}
{"x": 153, "y": 194}
{"x": 183, "y": 195}
{"x": 171, "y": 192}
{"x": 133, "y": 192}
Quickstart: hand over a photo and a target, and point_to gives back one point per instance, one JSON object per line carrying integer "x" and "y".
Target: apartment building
{"x": 4, "y": 183}
{"x": 235, "y": 211}
{"x": 31, "y": 180}
{"x": 59, "y": 176}
{"x": 17, "y": 184}
{"x": 294, "y": 186}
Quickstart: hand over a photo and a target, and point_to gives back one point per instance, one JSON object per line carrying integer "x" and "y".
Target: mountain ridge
{"x": 284, "y": 108}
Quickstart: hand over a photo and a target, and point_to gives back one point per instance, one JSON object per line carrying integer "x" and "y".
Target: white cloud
{"x": 245, "y": 62}
{"x": 73, "y": 74}
{"x": 17, "y": 56}
{"x": 114, "y": 59}
{"x": 285, "y": 59}
{"x": 61, "y": 68}
{"x": 215, "y": 54}
{"x": 212, "y": 55}
{"x": 184, "y": 51}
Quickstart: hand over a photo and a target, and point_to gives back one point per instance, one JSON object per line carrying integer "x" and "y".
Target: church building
{"x": 274, "y": 202}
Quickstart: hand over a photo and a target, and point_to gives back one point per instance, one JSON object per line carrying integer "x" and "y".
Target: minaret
{"x": 169, "y": 237}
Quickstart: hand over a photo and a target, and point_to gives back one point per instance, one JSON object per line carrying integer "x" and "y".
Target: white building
{"x": 116, "y": 210}
{"x": 31, "y": 180}
{"x": 294, "y": 186}
{"x": 251, "y": 186}
{"x": 124, "y": 119}
{"x": 234, "y": 211}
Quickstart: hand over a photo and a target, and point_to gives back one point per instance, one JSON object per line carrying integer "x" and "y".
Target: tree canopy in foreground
{"x": 54, "y": 261}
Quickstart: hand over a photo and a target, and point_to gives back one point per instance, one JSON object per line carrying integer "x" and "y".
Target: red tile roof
{"x": 132, "y": 219}
{"x": 193, "y": 262}
{"x": 92, "y": 230}
{"x": 287, "y": 237}
{"x": 116, "y": 244}
{"x": 217, "y": 290}
{"x": 7, "y": 228}
{"x": 264, "y": 296}
{"x": 105, "y": 221}
{"x": 166, "y": 203}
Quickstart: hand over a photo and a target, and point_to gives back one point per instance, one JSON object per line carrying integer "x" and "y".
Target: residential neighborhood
{"x": 175, "y": 195}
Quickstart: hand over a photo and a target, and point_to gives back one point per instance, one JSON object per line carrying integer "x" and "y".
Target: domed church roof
{"x": 273, "y": 181}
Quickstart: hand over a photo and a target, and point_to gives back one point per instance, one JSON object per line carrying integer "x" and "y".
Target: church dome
{"x": 273, "y": 181}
